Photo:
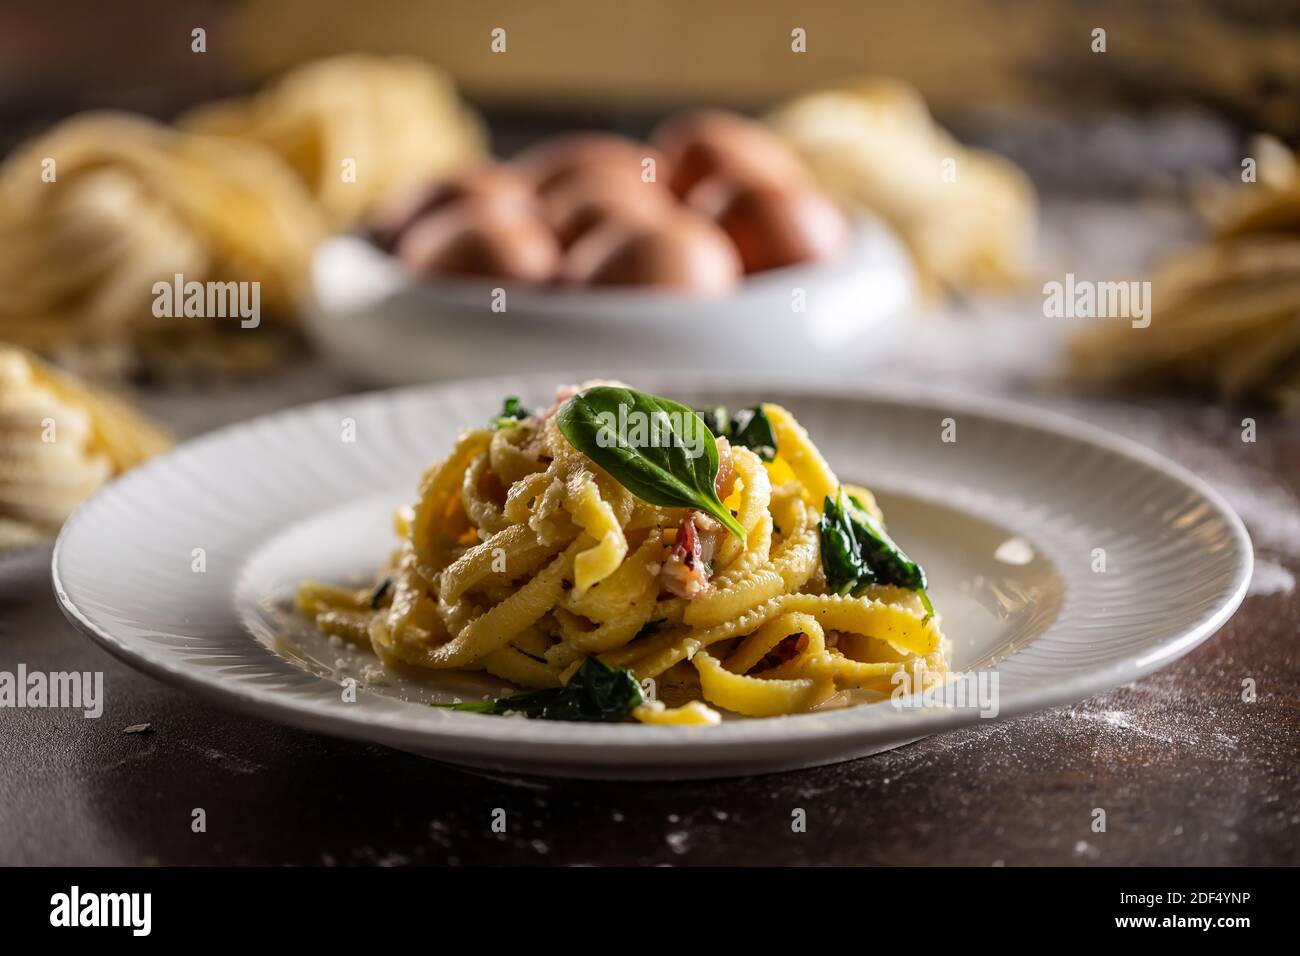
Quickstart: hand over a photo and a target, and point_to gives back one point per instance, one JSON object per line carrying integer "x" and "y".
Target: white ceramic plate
{"x": 373, "y": 316}
{"x": 1010, "y": 520}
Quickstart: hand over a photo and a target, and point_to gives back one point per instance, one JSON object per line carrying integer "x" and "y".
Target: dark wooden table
{"x": 1187, "y": 772}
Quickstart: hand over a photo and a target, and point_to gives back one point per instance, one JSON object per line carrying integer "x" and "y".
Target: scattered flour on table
{"x": 1085, "y": 849}
{"x": 1119, "y": 721}
{"x": 1271, "y": 513}
{"x": 1271, "y": 578}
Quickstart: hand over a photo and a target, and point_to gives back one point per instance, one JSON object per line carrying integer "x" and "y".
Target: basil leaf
{"x": 655, "y": 448}
{"x": 595, "y": 692}
{"x": 512, "y": 413}
{"x": 752, "y": 429}
{"x": 857, "y": 552}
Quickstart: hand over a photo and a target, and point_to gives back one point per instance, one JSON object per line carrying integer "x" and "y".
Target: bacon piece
{"x": 686, "y": 572}
{"x": 726, "y": 479}
{"x": 565, "y": 392}
{"x": 688, "y": 543}
{"x": 787, "y": 649}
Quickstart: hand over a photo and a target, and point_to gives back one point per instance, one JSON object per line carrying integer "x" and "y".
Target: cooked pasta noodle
{"x": 524, "y": 558}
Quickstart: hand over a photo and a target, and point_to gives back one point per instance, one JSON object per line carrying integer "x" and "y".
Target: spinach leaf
{"x": 749, "y": 427}
{"x": 846, "y": 570}
{"x": 752, "y": 429}
{"x": 595, "y": 692}
{"x": 715, "y": 419}
{"x": 381, "y": 589}
{"x": 512, "y": 413}
{"x": 655, "y": 448}
{"x": 650, "y": 627}
{"x": 857, "y": 552}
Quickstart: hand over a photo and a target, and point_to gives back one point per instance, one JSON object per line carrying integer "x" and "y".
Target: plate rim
{"x": 464, "y": 733}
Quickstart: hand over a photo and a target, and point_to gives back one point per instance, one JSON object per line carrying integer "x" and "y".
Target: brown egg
{"x": 711, "y": 142}
{"x": 495, "y": 182}
{"x": 711, "y": 195}
{"x": 575, "y": 206}
{"x": 479, "y": 237}
{"x": 560, "y": 158}
{"x": 682, "y": 251}
{"x": 773, "y": 226}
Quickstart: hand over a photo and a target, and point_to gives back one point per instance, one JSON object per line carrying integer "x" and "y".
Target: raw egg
{"x": 711, "y": 142}
{"x": 775, "y": 226}
{"x": 681, "y": 251}
{"x": 477, "y": 237}
{"x": 560, "y": 158}
{"x": 495, "y": 183}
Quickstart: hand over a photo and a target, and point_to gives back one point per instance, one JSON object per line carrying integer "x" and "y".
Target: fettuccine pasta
{"x": 525, "y": 558}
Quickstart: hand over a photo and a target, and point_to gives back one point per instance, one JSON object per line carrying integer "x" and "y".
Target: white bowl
{"x": 376, "y": 317}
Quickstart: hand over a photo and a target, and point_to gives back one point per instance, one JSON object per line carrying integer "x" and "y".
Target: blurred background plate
{"x": 372, "y": 315}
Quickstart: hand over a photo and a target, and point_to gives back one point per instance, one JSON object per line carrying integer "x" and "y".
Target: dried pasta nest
{"x": 59, "y": 442}
{"x": 96, "y": 211}
{"x": 134, "y": 203}
{"x": 397, "y": 119}
{"x": 1225, "y": 314}
{"x": 968, "y": 216}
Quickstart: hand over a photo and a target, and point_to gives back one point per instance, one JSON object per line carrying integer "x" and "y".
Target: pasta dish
{"x": 620, "y": 555}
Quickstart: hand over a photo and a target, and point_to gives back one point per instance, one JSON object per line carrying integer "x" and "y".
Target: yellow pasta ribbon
{"x": 595, "y": 516}
{"x": 796, "y": 449}
{"x": 523, "y": 558}
{"x": 756, "y": 697}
